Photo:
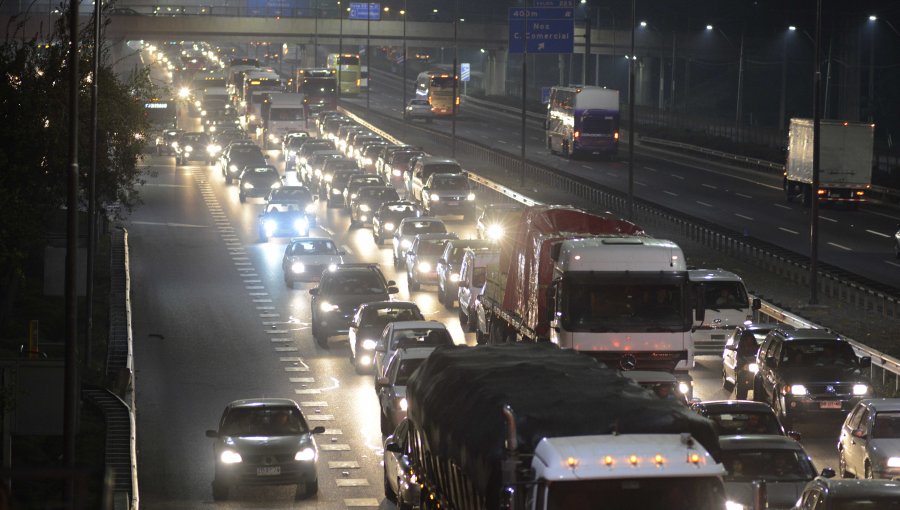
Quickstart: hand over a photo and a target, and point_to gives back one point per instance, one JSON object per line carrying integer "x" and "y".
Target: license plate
{"x": 830, "y": 404}
{"x": 268, "y": 471}
{"x": 453, "y": 202}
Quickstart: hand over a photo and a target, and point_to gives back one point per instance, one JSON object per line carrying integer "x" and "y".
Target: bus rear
{"x": 319, "y": 88}
{"x": 437, "y": 88}
{"x": 596, "y": 119}
{"x": 347, "y": 67}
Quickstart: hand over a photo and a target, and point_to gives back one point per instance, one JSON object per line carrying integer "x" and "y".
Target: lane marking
{"x": 670, "y": 193}
{"x": 710, "y": 186}
{"x": 240, "y": 263}
{"x": 296, "y": 369}
{"x": 878, "y": 233}
{"x": 503, "y": 141}
{"x": 258, "y": 293}
{"x": 587, "y": 167}
{"x": 742, "y": 216}
{"x": 276, "y": 331}
{"x": 681, "y": 177}
{"x": 281, "y": 340}
{"x": 892, "y": 263}
{"x": 302, "y": 379}
{"x": 788, "y": 230}
{"x": 254, "y": 287}
{"x": 314, "y": 403}
{"x": 318, "y": 417}
{"x": 327, "y": 230}
{"x": 876, "y": 213}
{"x": 345, "y": 482}
{"x": 639, "y": 183}
{"x": 334, "y": 432}
{"x": 826, "y": 218}
{"x": 343, "y": 464}
{"x": 651, "y": 169}
{"x": 265, "y": 307}
{"x": 742, "y": 195}
{"x": 840, "y": 246}
{"x": 361, "y": 502}
{"x": 704, "y": 203}
{"x": 286, "y": 349}
{"x": 167, "y": 224}
{"x": 783, "y": 207}
{"x": 265, "y": 300}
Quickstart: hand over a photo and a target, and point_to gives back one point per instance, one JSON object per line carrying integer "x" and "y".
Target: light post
{"x": 455, "y": 76}
{"x": 92, "y": 191}
{"x": 316, "y": 37}
{"x": 817, "y": 144}
{"x": 368, "y": 48}
{"x": 340, "y": 46}
{"x": 403, "y": 13}
{"x": 631, "y": 130}
{"x": 871, "y": 102}
{"x": 587, "y": 42}
{"x": 662, "y": 68}
{"x": 740, "y": 84}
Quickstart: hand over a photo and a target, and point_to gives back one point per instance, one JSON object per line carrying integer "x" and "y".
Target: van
{"x": 727, "y": 306}
{"x": 427, "y": 166}
{"x": 472, "y": 277}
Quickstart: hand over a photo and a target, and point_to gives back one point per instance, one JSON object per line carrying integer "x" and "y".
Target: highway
{"x": 744, "y": 201}
{"x": 213, "y": 322}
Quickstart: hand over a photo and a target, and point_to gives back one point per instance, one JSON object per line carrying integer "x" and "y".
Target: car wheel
{"x": 307, "y": 490}
{"x": 740, "y": 391}
{"x": 842, "y": 465}
{"x": 869, "y": 474}
{"x": 378, "y": 239}
{"x": 396, "y": 261}
{"x": 319, "y": 336}
{"x": 228, "y": 179}
{"x": 242, "y": 197}
{"x": 289, "y": 283}
{"x": 463, "y": 320}
{"x": 480, "y": 338}
{"x": 388, "y": 490}
{"x": 219, "y": 491}
{"x": 759, "y": 393}
{"x": 403, "y": 505}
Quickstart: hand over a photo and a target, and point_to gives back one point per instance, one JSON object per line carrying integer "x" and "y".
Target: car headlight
{"x": 404, "y": 404}
{"x": 328, "y": 178}
{"x": 233, "y": 169}
{"x": 292, "y": 153}
{"x": 860, "y": 389}
{"x": 230, "y": 457}
{"x": 396, "y": 172}
{"x": 270, "y": 226}
{"x": 684, "y": 388}
{"x": 184, "y": 92}
{"x": 212, "y": 129}
{"x": 893, "y": 462}
{"x": 197, "y": 104}
{"x": 298, "y": 267}
{"x": 275, "y": 185}
{"x": 213, "y": 149}
{"x": 369, "y": 344}
{"x": 305, "y": 455}
{"x": 434, "y": 197}
{"x": 365, "y": 207}
{"x": 495, "y": 232}
{"x": 365, "y": 360}
{"x": 753, "y": 368}
{"x": 731, "y": 505}
{"x": 188, "y": 148}
{"x": 327, "y": 307}
{"x": 424, "y": 267}
{"x": 248, "y": 185}
{"x": 310, "y": 208}
{"x": 174, "y": 145}
{"x": 352, "y": 196}
{"x": 273, "y": 138}
{"x": 454, "y": 277}
{"x": 252, "y": 117}
{"x": 405, "y": 243}
{"x": 367, "y": 161}
{"x": 798, "y": 389}
{"x": 332, "y": 267}
{"x": 389, "y": 227}
{"x": 203, "y": 113}
{"x": 300, "y": 225}
{"x": 470, "y": 197}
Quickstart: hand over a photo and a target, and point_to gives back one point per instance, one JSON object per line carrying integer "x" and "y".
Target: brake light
{"x": 616, "y": 135}
{"x": 457, "y": 100}
{"x": 820, "y": 192}
{"x": 577, "y": 135}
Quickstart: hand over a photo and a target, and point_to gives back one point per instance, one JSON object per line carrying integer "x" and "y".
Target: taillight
{"x": 616, "y": 135}
{"x": 576, "y": 135}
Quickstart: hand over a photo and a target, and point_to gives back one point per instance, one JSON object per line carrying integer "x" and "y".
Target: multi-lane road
{"x": 213, "y": 322}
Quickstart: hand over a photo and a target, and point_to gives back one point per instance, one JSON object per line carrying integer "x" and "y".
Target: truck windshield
{"x": 287, "y": 114}
{"x": 725, "y": 295}
{"x": 683, "y": 493}
{"x": 642, "y": 304}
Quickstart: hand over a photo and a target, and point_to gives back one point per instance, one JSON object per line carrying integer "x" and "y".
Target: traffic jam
{"x": 572, "y": 383}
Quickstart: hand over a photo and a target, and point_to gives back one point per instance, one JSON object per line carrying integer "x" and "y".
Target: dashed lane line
{"x": 639, "y": 183}
{"x": 346, "y": 482}
{"x": 788, "y": 230}
{"x": 343, "y": 464}
{"x": 826, "y": 218}
{"x": 262, "y": 300}
{"x": 296, "y": 369}
{"x": 878, "y": 233}
{"x": 651, "y": 169}
{"x": 836, "y": 245}
{"x": 704, "y": 204}
{"x": 710, "y": 186}
{"x": 739, "y": 215}
{"x": 314, "y": 403}
{"x": 276, "y": 331}
{"x": 680, "y": 177}
{"x": 361, "y": 502}
{"x": 892, "y": 263}
{"x": 783, "y": 207}
{"x": 327, "y": 230}
{"x": 587, "y": 167}
{"x": 286, "y": 349}
{"x": 302, "y": 379}
{"x": 670, "y": 193}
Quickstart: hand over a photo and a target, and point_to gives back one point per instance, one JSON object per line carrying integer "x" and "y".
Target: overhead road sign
{"x": 547, "y": 29}
{"x": 370, "y": 11}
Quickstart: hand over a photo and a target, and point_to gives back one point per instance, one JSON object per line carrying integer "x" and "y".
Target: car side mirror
{"x": 392, "y": 446}
{"x": 391, "y": 283}
{"x": 756, "y": 304}
{"x": 796, "y": 436}
{"x": 393, "y": 290}
{"x": 317, "y": 430}
{"x": 379, "y": 347}
{"x": 354, "y": 324}
{"x": 314, "y": 292}
{"x": 828, "y": 472}
{"x": 212, "y": 433}
{"x": 731, "y": 347}
{"x": 865, "y": 362}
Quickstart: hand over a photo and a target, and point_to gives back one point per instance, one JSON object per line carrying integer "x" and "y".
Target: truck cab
{"x": 727, "y": 306}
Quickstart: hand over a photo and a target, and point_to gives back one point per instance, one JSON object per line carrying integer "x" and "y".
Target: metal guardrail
{"x": 651, "y": 214}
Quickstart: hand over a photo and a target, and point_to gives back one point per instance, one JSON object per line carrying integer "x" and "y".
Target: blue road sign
{"x": 464, "y": 71}
{"x": 359, "y": 11}
{"x": 545, "y": 95}
{"x": 548, "y": 29}
{"x": 553, "y": 3}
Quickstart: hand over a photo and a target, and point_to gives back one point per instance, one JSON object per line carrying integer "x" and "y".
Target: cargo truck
{"x": 845, "y": 161}
{"x": 532, "y": 426}
{"x": 596, "y": 284}
{"x": 281, "y": 113}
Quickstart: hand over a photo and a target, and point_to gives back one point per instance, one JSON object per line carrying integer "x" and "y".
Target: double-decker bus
{"x": 437, "y": 88}
{"x": 583, "y": 120}
{"x": 319, "y": 89}
{"x": 347, "y": 67}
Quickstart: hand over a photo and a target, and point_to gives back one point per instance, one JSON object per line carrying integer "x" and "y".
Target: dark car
{"x": 385, "y": 153}
{"x": 258, "y": 181}
{"x": 400, "y": 482}
{"x": 780, "y": 462}
{"x": 739, "y": 357}
{"x": 305, "y": 151}
{"x": 369, "y": 199}
{"x": 165, "y": 140}
{"x": 826, "y": 492}
{"x": 335, "y": 183}
{"x": 422, "y": 257}
{"x": 191, "y": 147}
{"x": 742, "y": 417}
{"x": 449, "y": 264}
{"x": 448, "y": 194}
{"x": 238, "y": 157}
{"x": 397, "y": 162}
{"x": 356, "y": 182}
{"x": 311, "y": 172}
{"x": 298, "y": 196}
{"x": 264, "y": 441}
{"x": 368, "y": 324}
{"x": 407, "y": 231}
{"x": 290, "y": 146}
{"x": 339, "y": 294}
{"x": 325, "y": 180}
{"x": 809, "y": 373}
{"x": 388, "y": 217}
{"x": 368, "y": 153}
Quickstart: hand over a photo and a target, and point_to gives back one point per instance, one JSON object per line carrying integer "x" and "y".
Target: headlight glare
{"x": 248, "y": 185}
{"x": 495, "y": 232}
{"x": 389, "y": 226}
{"x": 684, "y": 388}
{"x": 368, "y": 344}
{"x": 893, "y": 462}
{"x": 434, "y": 197}
{"x": 731, "y": 505}
{"x": 230, "y": 457}
{"x": 424, "y": 267}
{"x": 454, "y": 277}
{"x": 753, "y": 368}
{"x": 860, "y": 389}
{"x": 406, "y": 243}
{"x": 365, "y": 207}
{"x": 300, "y": 225}
{"x": 310, "y": 208}
{"x": 298, "y": 267}
{"x": 798, "y": 389}
{"x": 327, "y": 307}
{"x": 470, "y": 197}
{"x": 404, "y": 404}
{"x": 305, "y": 455}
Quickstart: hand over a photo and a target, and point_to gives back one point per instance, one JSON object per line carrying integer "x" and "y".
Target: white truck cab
{"x": 727, "y": 306}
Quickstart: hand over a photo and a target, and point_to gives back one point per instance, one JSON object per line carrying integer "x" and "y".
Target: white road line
{"x": 651, "y": 169}
{"x": 276, "y": 331}
{"x": 670, "y": 193}
{"x": 360, "y": 502}
{"x": 254, "y": 287}
{"x": 345, "y": 482}
{"x": 265, "y": 307}
{"x": 503, "y": 141}
{"x": 739, "y": 215}
{"x": 704, "y": 203}
{"x": 891, "y": 216}
{"x": 639, "y": 183}
{"x": 892, "y": 263}
{"x": 281, "y": 340}
{"x": 587, "y": 167}
{"x": 286, "y": 349}
{"x": 262, "y": 300}
{"x": 166, "y": 224}
{"x": 840, "y": 246}
{"x": 168, "y": 185}
{"x": 710, "y": 186}
{"x": 343, "y": 464}
{"x": 327, "y": 231}
{"x": 783, "y": 207}
{"x": 878, "y": 233}
{"x": 681, "y": 177}
{"x": 788, "y": 230}
{"x": 314, "y": 417}
{"x": 826, "y": 218}
{"x": 314, "y": 403}
{"x": 252, "y": 281}
{"x": 258, "y": 293}
{"x": 302, "y": 379}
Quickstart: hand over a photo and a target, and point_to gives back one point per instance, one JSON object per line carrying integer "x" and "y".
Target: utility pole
{"x": 454, "y": 110}
{"x": 92, "y": 193}
{"x": 524, "y": 88}
{"x": 368, "y": 47}
{"x": 631, "y": 130}
{"x": 404, "y": 13}
{"x": 340, "y": 56}
{"x": 817, "y": 144}
{"x": 740, "y": 107}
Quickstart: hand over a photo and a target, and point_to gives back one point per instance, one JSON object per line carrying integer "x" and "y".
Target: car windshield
{"x": 291, "y": 195}
{"x": 195, "y": 138}
{"x": 423, "y": 227}
{"x": 887, "y": 426}
{"x": 724, "y": 295}
{"x": 355, "y": 283}
{"x": 431, "y": 247}
{"x": 362, "y": 181}
{"x": 399, "y": 208}
{"x": 420, "y": 337}
{"x": 406, "y": 368}
{"x": 610, "y": 306}
{"x": 450, "y": 183}
{"x": 296, "y": 141}
{"x": 379, "y": 193}
{"x": 263, "y": 421}
{"x": 770, "y": 465}
{"x": 743, "y": 423}
{"x": 656, "y": 493}
{"x": 418, "y": 102}
{"x": 818, "y": 353}
{"x": 400, "y": 158}
{"x": 382, "y": 316}
{"x": 313, "y": 247}
{"x": 264, "y": 170}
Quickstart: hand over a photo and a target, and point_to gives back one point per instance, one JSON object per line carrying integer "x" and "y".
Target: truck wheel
{"x": 788, "y": 190}
{"x": 806, "y": 195}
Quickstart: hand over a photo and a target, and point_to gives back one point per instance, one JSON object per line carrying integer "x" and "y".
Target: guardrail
{"x": 778, "y": 263}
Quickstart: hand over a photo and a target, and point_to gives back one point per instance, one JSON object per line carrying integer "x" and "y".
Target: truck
{"x": 256, "y": 83}
{"x": 727, "y": 306}
{"x": 532, "y": 426}
{"x": 845, "y": 161}
{"x": 281, "y": 113}
{"x": 319, "y": 87}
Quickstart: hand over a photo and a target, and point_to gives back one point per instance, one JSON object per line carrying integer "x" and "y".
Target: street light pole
{"x": 631, "y": 130}
{"x": 316, "y": 38}
{"x": 817, "y": 144}
{"x": 524, "y": 88}
{"x": 740, "y": 84}
{"x": 368, "y": 48}
{"x": 92, "y": 192}
{"x": 871, "y": 102}
{"x": 404, "y": 14}
{"x": 455, "y": 76}
{"x": 340, "y": 46}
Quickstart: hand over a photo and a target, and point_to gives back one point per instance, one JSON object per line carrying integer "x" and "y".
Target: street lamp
{"x": 662, "y": 67}
{"x": 340, "y": 46}
{"x": 740, "y": 85}
{"x": 403, "y": 13}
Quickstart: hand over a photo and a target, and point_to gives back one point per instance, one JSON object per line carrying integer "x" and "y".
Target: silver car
{"x": 407, "y": 231}
{"x": 779, "y": 461}
{"x": 418, "y": 109}
{"x": 400, "y": 482}
{"x": 307, "y": 257}
{"x": 391, "y": 388}
{"x": 869, "y": 445}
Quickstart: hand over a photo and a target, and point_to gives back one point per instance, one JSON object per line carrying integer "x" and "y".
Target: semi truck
{"x": 594, "y": 283}
{"x": 532, "y": 426}
{"x": 845, "y": 161}
{"x": 281, "y": 113}
{"x": 319, "y": 86}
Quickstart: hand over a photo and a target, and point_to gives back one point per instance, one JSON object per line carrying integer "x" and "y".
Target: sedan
{"x": 391, "y": 387}
{"x": 869, "y": 444}
{"x": 191, "y": 147}
{"x": 289, "y": 221}
{"x": 258, "y": 181}
{"x": 400, "y": 482}
{"x": 369, "y": 323}
{"x": 422, "y": 258}
{"x": 779, "y": 461}
{"x": 496, "y": 220}
{"x": 264, "y": 441}
{"x": 742, "y": 417}
{"x": 407, "y": 231}
{"x": 388, "y": 217}
{"x": 369, "y": 199}
{"x": 306, "y": 258}
{"x": 418, "y": 109}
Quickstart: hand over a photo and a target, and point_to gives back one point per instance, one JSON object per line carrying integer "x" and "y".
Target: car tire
{"x": 403, "y": 505}
{"x": 320, "y": 338}
{"x": 307, "y": 490}
{"x": 263, "y": 238}
{"x": 463, "y": 320}
{"x": 396, "y": 261}
{"x": 389, "y": 493}
{"x": 725, "y": 384}
{"x": 378, "y": 239}
{"x": 228, "y": 179}
{"x": 219, "y": 491}
{"x": 759, "y": 394}
{"x": 414, "y": 286}
{"x": 740, "y": 391}
{"x": 781, "y": 414}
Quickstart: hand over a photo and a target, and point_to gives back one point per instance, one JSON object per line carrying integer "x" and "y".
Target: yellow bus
{"x": 437, "y": 88}
{"x": 348, "y": 72}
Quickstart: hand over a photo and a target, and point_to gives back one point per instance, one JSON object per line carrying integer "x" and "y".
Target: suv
{"x": 369, "y": 322}
{"x": 424, "y": 168}
{"x": 809, "y": 372}
{"x": 237, "y": 156}
{"x": 191, "y": 147}
{"x": 739, "y": 356}
{"x": 408, "y": 335}
{"x": 827, "y": 492}
{"x": 422, "y": 257}
{"x": 448, "y": 194}
{"x": 339, "y": 294}
{"x": 472, "y": 277}
{"x": 448, "y": 267}
{"x": 369, "y": 199}
{"x": 356, "y": 182}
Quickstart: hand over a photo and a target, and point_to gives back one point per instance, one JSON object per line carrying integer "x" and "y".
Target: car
{"x": 496, "y": 220}
{"x": 369, "y": 323}
{"x": 368, "y": 154}
{"x": 807, "y": 372}
{"x": 739, "y": 356}
{"x": 407, "y": 231}
{"x": 826, "y": 492}
{"x": 664, "y": 385}
{"x": 391, "y": 387}
{"x": 418, "y": 109}
{"x": 742, "y": 417}
{"x": 472, "y": 279}
{"x": 290, "y": 145}
{"x": 306, "y": 258}
{"x": 191, "y": 146}
{"x": 423, "y": 168}
{"x": 165, "y": 140}
{"x": 264, "y": 441}
{"x": 449, "y": 264}
{"x": 369, "y": 199}
{"x": 257, "y": 181}
{"x": 396, "y": 164}
{"x": 356, "y": 182}
{"x": 422, "y": 257}
{"x": 400, "y": 483}
{"x": 287, "y": 221}
{"x": 779, "y": 461}
{"x": 356, "y": 142}
{"x": 339, "y": 294}
{"x": 312, "y": 171}
{"x": 869, "y": 444}
{"x": 237, "y": 156}
{"x": 384, "y": 155}
{"x": 343, "y": 133}
{"x": 334, "y": 182}
{"x": 305, "y": 151}
{"x": 406, "y": 335}
{"x": 448, "y": 194}
{"x": 298, "y": 196}
{"x": 389, "y": 215}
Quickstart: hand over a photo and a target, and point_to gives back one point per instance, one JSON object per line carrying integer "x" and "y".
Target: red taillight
{"x": 577, "y": 134}
{"x": 616, "y": 135}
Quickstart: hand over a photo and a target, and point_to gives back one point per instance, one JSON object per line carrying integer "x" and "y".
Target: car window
{"x": 818, "y": 353}
{"x": 748, "y": 345}
{"x": 743, "y": 423}
{"x": 724, "y": 295}
{"x": 355, "y": 283}
{"x": 860, "y": 430}
{"x": 401, "y": 208}
{"x": 768, "y": 465}
{"x": 313, "y": 247}
{"x": 887, "y": 425}
{"x": 263, "y": 421}
{"x": 430, "y": 247}
{"x": 405, "y": 369}
{"x": 423, "y": 227}
{"x": 853, "y": 421}
{"x": 861, "y": 502}
{"x": 262, "y": 170}
{"x": 420, "y": 337}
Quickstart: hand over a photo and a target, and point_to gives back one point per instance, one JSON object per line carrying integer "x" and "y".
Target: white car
{"x": 305, "y": 258}
{"x": 407, "y": 231}
{"x": 391, "y": 387}
{"x": 405, "y": 335}
{"x": 869, "y": 444}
